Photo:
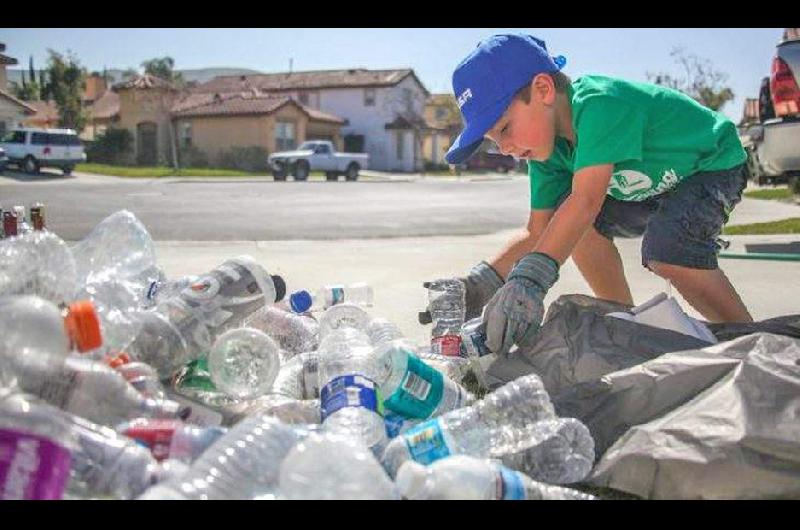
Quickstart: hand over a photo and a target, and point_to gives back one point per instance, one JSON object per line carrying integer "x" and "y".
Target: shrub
{"x": 252, "y": 158}
{"x": 794, "y": 184}
{"x": 191, "y": 156}
{"x": 114, "y": 146}
{"x": 431, "y": 166}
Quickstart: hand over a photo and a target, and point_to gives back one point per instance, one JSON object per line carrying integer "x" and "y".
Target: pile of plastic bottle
{"x": 118, "y": 382}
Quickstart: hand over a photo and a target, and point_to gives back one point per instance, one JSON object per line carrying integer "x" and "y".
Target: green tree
{"x": 163, "y": 67}
{"x": 701, "y": 81}
{"x": 67, "y": 81}
{"x": 28, "y": 90}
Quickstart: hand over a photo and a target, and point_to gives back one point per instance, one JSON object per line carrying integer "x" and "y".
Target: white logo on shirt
{"x": 628, "y": 182}
{"x": 464, "y": 97}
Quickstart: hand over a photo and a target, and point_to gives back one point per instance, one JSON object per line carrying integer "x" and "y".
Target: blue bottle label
{"x": 350, "y": 391}
{"x": 337, "y": 295}
{"x": 426, "y": 442}
{"x": 511, "y": 486}
{"x": 394, "y": 423}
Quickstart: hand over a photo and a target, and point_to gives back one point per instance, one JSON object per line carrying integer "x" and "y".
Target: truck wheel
{"x": 331, "y": 176}
{"x": 301, "y": 170}
{"x": 67, "y": 170}
{"x": 502, "y": 169}
{"x": 31, "y": 166}
{"x": 352, "y": 172}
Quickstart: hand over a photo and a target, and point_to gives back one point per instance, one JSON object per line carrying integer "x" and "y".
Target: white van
{"x": 33, "y": 149}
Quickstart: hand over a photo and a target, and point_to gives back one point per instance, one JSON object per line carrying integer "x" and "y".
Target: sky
{"x": 744, "y": 54}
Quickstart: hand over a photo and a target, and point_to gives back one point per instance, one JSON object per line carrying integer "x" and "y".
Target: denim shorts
{"x": 682, "y": 226}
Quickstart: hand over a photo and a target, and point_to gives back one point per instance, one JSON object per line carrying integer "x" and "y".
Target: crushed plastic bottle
{"x": 447, "y": 307}
{"x": 332, "y": 467}
{"x": 244, "y": 362}
{"x": 169, "y": 438}
{"x": 298, "y": 377}
{"x": 244, "y": 463}
{"x": 464, "y": 477}
{"x": 507, "y": 421}
{"x": 184, "y": 327}
{"x": 38, "y": 263}
{"x": 294, "y": 333}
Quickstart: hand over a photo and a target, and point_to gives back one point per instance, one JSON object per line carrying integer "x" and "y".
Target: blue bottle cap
{"x": 300, "y": 301}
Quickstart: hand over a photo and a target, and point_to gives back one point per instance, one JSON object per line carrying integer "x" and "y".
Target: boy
{"x": 607, "y": 158}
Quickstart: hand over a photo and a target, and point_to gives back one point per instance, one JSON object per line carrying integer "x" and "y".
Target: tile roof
{"x": 45, "y": 111}
{"x": 106, "y": 106}
{"x": 26, "y": 107}
{"x": 351, "y": 78}
{"x": 242, "y": 104}
{"x": 143, "y": 82}
{"x": 5, "y": 59}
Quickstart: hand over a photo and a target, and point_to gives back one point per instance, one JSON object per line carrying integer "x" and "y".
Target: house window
{"x": 400, "y": 145}
{"x": 186, "y": 134}
{"x": 284, "y": 136}
{"x": 441, "y": 113}
{"x": 369, "y": 97}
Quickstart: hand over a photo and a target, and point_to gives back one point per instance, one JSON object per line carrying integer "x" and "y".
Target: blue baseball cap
{"x": 485, "y": 83}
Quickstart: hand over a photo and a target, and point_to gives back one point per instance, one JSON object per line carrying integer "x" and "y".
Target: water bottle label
{"x": 510, "y": 485}
{"x": 350, "y": 391}
{"x": 474, "y": 341}
{"x": 31, "y": 467}
{"x": 426, "y": 442}
{"x": 420, "y": 391}
{"x": 449, "y": 345}
{"x": 394, "y": 423}
{"x": 337, "y": 295}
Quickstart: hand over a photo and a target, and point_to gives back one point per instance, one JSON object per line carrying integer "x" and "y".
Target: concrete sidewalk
{"x": 396, "y": 269}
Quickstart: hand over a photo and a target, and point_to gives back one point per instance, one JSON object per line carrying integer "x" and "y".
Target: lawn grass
{"x": 163, "y": 171}
{"x": 775, "y": 194}
{"x": 785, "y": 226}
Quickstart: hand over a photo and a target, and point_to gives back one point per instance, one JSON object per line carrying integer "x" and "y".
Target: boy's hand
{"x": 515, "y": 313}
{"x": 481, "y": 284}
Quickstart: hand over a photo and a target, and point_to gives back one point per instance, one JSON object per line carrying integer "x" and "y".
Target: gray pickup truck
{"x": 773, "y": 145}
{"x": 317, "y": 155}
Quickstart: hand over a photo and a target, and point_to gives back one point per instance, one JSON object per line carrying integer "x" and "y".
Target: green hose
{"x": 766, "y": 256}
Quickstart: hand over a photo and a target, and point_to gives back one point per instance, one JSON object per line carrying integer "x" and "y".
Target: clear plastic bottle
{"x": 345, "y": 315}
{"x": 38, "y": 263}
{"x": 411, "y": 387}
{"x": 102, "y": 463}
{"x": 351, "y": 402}
{"x": 509, "y": 420}
{"x": 464, "y": 477}
{"x": 23, "y": 227}
{"x": 287, "y": 409}
{"x": 447, "y": 307}
{"x": 244, "y": 463}
{"x": 184, "y": 327}
{"x": 244, "y": 362}
{"x": 564, "y": 455}
{"x": 333, "y": 467}
{"x": 169, "y": 438}
{"x": 473, "y": 344}
{"x": 298, "y": 378}
{"x": 294, "y": 333}
{"x": 331, "y": 295}
{"x": 382, "y": 331}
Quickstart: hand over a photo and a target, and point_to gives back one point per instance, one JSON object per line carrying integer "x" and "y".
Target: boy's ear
{"x": 543, "y": 89}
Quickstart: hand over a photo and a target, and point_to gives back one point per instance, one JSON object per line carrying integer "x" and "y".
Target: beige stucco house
{"x": 444, "y": 123}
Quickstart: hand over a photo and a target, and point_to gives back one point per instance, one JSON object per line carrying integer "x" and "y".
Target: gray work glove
{"x": 515, "y": 312}
{"x": 481, "y": 283}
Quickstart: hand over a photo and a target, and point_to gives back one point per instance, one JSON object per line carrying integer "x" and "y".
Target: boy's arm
{"x": 577, "y": 213}
{"x": 522, "y": 243}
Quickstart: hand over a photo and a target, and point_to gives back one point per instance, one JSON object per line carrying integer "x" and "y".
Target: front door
{"x": 147, "y": 144}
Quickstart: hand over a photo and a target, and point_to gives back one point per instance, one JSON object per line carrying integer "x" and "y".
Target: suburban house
{"x": 12, "y": 110}
{"x": 216, "y": 122}
{"x": 444, "y": 124}
{"x": 163, "y": 119}
{"x": 384, "y": 109}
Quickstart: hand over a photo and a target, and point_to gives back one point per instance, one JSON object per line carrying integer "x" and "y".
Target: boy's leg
{"x": 600, "y": 264}
{"x": 708, "y": 291}
{"x": 681, "y": 245}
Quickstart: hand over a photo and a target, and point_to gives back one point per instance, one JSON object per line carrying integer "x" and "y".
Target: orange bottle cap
{"x": 83, "y": 326}
{"x": 119, "y": 360}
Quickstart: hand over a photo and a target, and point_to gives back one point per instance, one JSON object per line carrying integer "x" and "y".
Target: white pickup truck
{"x": 317, "y": 155}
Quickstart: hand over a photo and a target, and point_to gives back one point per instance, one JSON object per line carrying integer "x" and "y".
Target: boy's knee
{"x": 664, "y": 270}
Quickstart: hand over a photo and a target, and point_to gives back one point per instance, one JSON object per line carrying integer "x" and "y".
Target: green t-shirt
{"x": 654, "y": 136}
